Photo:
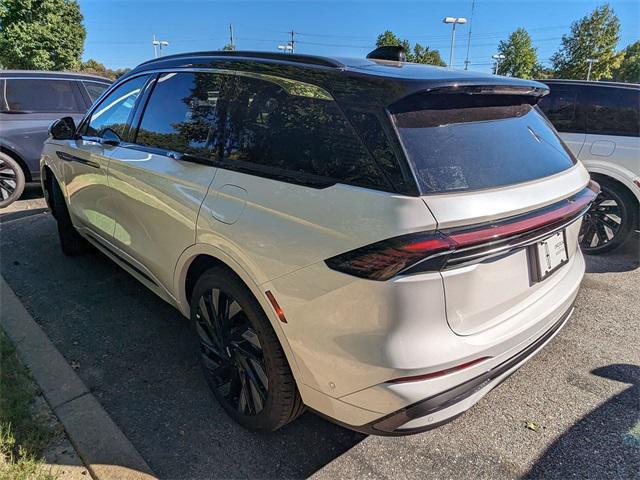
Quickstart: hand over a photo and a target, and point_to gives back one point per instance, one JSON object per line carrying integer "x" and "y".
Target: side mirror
{"x": 63, "y": 129}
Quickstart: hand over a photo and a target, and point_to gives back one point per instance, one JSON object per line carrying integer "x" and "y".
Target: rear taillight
{"x": 431, "y": 251}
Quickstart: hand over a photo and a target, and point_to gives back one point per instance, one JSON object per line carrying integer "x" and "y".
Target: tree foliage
{"x": 42, "y": 34}
{"x": 592, "y": 37}
{"x": 521, "y": 59}
{"x": 96, "y": 68}
{"x": 417, "y": 54}
{"x": 629, "y": 69}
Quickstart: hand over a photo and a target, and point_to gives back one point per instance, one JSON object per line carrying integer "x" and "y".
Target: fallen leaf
{"x": 532, "y": 425}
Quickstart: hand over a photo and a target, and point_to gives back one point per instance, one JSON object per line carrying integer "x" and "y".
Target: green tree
{"x": 417, "y": 54}
{"x": 629, "y": 69}
{"x": 96, "y": 68}
{"x": 228, "y": 48}
{"x": 521, "y": 59}
{"x": 594, "y": 37}
{"x": 43, "y": 34}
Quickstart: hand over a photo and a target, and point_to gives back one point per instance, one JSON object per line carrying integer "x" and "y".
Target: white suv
{"x": 600, "y": 123}
{"x": 381, "y": 242}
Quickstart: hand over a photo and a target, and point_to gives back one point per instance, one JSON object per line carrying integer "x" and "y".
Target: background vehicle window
{"x": 561, "y": 108}
{"x": 298, "y": 137}
{"x": 109, "y": 120}
{"x": 182, "y": 114}
{"x": 36, "y": 95}
{"x": 613, "y": 111}
{"x": 95, "y": 89}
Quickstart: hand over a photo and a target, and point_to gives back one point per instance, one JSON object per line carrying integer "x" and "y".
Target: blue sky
{"x": 119, "y": 33}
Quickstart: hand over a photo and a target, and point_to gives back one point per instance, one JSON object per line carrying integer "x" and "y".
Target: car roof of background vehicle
{"x": 376, "y": 81}
{"x": 591, "y": 83}
{"x": 55, "y": 75}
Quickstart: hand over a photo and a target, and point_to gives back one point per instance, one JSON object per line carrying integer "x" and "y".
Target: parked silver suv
{"x": 29, "y": 102}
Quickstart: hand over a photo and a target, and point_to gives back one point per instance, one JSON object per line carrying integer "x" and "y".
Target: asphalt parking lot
{"x": 580, "y": 397}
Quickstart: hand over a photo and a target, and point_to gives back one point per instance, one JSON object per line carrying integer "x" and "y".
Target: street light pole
{"x": 590, "y": 61}
{"x": 158, "y": 44}
{"x": 498, "y": 57}
{"x": 454, "y": 21}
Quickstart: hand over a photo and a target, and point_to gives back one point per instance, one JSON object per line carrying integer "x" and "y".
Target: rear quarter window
{"x": 612, "y": 111}
{"x": 459, "y": 142}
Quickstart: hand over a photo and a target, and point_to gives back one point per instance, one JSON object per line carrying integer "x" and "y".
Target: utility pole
{"x": 233, "y": 45}
{"x": 466, "y": 61}
{"x": 590, "y": 61}
{"x": 292, "y": 42}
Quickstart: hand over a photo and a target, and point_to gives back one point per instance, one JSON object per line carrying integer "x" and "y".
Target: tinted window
{"x": 467, "y": 142}
{"x": 95, "y": 89}
{"x": 34, "y": 95}
{"x": 561, "y": 107}
{"x": 295, "y": 133}
{"x": 182, "y": 114}
{"x": 109, "y": 120}
{"x": 612, "y": 111}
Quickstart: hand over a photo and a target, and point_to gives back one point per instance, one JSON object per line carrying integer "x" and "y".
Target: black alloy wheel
{"x": 609, "y": 221}
{"x": 12, "y": 180}
{"x": 231, "y": 353}
{"x": 240, "y": 353}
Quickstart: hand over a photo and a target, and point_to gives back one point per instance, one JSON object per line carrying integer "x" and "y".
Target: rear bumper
{"x": 452, "y": 403}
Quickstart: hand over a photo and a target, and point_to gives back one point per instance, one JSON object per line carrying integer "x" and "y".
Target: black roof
{"x": 354, "y": 80}
{"x": 591, "y": 83}
{"x": 46, "y": 74}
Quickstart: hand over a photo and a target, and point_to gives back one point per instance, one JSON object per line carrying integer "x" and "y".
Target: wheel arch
{"x": 196, "y": 260}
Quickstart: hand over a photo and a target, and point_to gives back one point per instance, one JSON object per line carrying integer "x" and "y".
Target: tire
{"x": 610, "y": 220}
{"x": 240, "y": 354}
{"x": 12, "y": 180}
{"x": 71, "y": 242}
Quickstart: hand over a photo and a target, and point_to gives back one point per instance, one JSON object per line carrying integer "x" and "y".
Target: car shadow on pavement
{"x": 623, "y": 259}
{"x": 592, "y": 448}
{"x": 139, "y": 358}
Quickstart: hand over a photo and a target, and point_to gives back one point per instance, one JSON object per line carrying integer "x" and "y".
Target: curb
{"x": 104, "y": 449}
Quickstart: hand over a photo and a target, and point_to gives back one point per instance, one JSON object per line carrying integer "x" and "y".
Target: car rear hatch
{"x": 506, "y": 193}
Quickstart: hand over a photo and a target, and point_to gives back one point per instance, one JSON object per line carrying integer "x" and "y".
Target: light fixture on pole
{"x": 288, "y": 48}
{"x": 454, "y": 21}
{"x": 590, "y": 61}
{"x": 498, "y": 57}
{"x": 158, "y": 44}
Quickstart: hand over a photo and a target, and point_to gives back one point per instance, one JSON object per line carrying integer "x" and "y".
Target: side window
{"x": 95, "y": 89}
{"x": 42, "y": 95}
{"x": 182, "y": 114}
{"x": 562, "y": 109}
{"x": 613, "y": 111}
{"x": 109, "y": 120}
{"x": 294, "y": 133}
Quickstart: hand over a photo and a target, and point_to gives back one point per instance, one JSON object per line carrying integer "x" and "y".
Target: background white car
{"x": 600, "y": 123}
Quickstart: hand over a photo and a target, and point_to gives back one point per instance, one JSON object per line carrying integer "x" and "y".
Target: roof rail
{"x": 285, "y": 57}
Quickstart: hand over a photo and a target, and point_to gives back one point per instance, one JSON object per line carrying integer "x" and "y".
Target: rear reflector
{"x": 275, "y": 306}
{"x": 430, "y": 251}
{"x": 440, "y": 373}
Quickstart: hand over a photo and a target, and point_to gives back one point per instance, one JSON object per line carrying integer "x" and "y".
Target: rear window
{"x": 613, "y": 111}
{"x": 458, "y": 142}
{"x": 36, "y": 95}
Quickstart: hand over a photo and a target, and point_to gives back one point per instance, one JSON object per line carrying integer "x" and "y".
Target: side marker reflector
{"x": 276, "y": 307}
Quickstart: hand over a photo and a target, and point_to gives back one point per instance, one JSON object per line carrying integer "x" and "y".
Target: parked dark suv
{"x": 29, "y": 102}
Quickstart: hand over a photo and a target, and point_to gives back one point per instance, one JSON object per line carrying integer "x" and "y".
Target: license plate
{"x": 550, "y": 254}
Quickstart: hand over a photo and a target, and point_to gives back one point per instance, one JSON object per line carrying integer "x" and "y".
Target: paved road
{"x": 138, "y": 356}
